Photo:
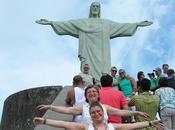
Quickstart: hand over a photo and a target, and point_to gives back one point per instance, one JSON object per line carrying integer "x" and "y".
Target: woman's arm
{"x": 61, "y": 109}
{"x": 139, "y": 125}
{"x": 117, "y": 112}
{"x": 59, "y": 124}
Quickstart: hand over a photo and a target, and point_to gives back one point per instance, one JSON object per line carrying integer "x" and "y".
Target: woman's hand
{"x": 143, "y": 114}
{"x": 43, "y": 107}
{"x": 158, "y": 124}
{"x": 38, "y": 121}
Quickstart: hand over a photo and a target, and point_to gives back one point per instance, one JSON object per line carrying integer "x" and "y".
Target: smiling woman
{"x": 91, "y": 95}
{"x": 97, "y": 115}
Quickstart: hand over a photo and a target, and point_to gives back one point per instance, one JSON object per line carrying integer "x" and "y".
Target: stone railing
{"x": 19, "y": 108}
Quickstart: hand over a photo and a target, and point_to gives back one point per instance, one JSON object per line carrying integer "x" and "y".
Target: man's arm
{"x": 70, "y": 98}
{"x": 144, "y": 23}
{"x": 62, "y": 28}
{"x": 43, "y": 22}
{"x": 125, "y": 29}
{"x": 123, "y": 102}
{"x": 125, "y": 107}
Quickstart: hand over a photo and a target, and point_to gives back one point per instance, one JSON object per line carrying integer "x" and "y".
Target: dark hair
{"x": 89, "y": 87}
{"x": 77, "y": 79}
{"x": 170, "y": 72}
{"x": 163, "y": 82}
{"x": 94, "y": 104}
{"x": 139, "y": 74}
{"x": 106, "y": 80}
{"x": 145, "y": 84}
{"x": 164, "y": 65}
{"x": 113, "y": 67}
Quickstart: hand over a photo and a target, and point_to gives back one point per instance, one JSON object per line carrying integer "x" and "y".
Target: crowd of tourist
{"x": 118, "y": 102}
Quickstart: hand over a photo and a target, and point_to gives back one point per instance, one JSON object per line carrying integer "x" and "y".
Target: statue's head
{"x": 94, "y": 10}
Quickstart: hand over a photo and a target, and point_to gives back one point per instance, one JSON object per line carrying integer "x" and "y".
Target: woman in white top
{"x": 91, "y": 95}
{"x": 97, "y": 115}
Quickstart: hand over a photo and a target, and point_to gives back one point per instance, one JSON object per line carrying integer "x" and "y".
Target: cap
{"x": 151, "y": 75}
{"x": 121, "y": 71}
{"x": 157, "y": 69}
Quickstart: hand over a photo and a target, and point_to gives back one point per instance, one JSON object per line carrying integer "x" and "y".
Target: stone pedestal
{"x": 19, "y": 108}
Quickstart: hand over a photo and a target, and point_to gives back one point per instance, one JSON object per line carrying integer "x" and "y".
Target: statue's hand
{"x": 43, "y": 22}
{"x": 144, "y": 23}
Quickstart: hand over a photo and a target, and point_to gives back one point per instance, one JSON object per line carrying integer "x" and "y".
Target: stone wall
{"x": 59, "y": 101}
{"x": 19, "y": 108}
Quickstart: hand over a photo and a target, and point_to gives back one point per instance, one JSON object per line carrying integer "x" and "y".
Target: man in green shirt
{"x": 159, "y": 75}
{"x": 115, "y": 78}
{"x": 152, "y": 80}
{"x": 145, "y": 102}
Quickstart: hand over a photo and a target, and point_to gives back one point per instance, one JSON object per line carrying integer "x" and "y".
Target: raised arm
{"x": 139, "y": 125}
{"x": 70, "y": 98}
{"x": 43, "y": 22}
{"x": 144, "y": 23}
{"x": 133, "y": 82}
{"x": 59, "y": 124}
{"x": 61, "y": 109}
{"x": 117, "y": 112}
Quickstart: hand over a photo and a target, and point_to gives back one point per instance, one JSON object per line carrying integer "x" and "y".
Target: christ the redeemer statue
{"x": 94, "y": 34}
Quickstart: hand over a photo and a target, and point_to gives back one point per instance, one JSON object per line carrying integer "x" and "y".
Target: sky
{"x": 33, "y": 55}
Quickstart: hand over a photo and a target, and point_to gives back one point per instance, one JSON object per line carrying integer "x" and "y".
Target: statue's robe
{"x": 94, "y": 40}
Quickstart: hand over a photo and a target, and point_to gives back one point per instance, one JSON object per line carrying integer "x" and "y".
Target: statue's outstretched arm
{"x": 144, "y": 23}
{"x": 43, "y": 22}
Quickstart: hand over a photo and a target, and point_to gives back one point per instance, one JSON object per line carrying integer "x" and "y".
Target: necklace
{"x": 95, "y": 128}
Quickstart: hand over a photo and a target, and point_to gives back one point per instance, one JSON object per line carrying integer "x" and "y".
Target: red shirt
{"x": 115, "y": 99}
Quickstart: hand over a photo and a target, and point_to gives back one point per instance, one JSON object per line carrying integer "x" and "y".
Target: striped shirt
{"x": 145, "y": 102}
